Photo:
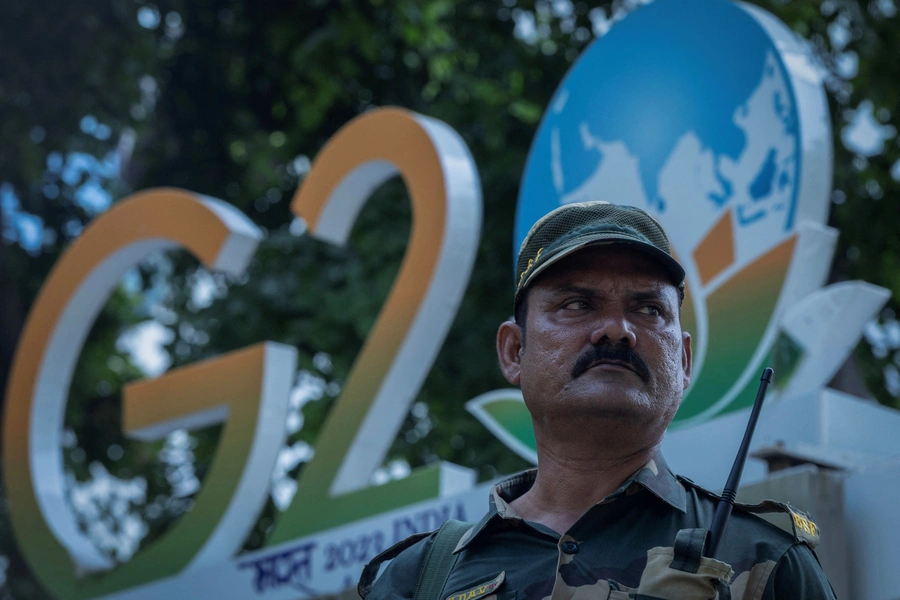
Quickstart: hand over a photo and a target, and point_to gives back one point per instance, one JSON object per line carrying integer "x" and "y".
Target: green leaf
{"x": 527, "y": 112}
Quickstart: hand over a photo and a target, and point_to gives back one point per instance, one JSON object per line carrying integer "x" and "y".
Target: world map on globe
{"x": 692, "y": 119}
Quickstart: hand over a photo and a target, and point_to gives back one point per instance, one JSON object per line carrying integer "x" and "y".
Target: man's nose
{"x": 615, "y": 328}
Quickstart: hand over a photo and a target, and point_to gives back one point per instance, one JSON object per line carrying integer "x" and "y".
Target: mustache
{"x": 611, "y": 352}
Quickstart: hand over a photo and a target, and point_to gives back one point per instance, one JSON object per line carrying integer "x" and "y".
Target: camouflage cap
{"x": 572, "y": 227}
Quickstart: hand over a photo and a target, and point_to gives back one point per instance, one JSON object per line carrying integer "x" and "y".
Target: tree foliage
{"x": 234, "y": 99}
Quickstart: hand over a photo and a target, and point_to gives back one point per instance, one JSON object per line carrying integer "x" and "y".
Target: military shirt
{"x": 503, "y": 557}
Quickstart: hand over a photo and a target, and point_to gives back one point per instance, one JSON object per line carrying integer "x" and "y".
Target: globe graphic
{"x": 648, "y": 94}
{"x": 687, "y": 110}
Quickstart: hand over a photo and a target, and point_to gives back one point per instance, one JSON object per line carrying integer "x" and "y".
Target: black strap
{"x": 370, "y": 571}
{"x": 439, "y": 561}
{"x": 689, "y": 544}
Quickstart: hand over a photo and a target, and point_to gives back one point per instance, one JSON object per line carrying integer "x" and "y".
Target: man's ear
{"x": 509, "y": 350}
{"x": 686, "y": 358}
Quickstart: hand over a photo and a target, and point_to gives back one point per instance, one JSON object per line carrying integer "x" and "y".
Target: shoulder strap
{"x": 805, "y": 528}
{"x": 439, "y": 561}
{"x": 370, "y": 570}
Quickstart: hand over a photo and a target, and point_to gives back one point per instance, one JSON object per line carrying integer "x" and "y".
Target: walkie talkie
{"x": 726, "y": 502}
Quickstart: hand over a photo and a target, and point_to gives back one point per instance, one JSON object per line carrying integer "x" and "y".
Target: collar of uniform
{"x": 659, "y": 480}
{"x": 655, "y": 476}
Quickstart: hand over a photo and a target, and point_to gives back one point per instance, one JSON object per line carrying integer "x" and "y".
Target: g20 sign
{"x": 708, "y": 114}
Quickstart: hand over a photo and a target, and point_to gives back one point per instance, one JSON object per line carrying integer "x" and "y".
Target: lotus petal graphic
{"x": 503, "y": 412}
{"x": 733, "y": 311}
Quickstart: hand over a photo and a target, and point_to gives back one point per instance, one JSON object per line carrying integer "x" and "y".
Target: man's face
{"x": 603, "y": 339}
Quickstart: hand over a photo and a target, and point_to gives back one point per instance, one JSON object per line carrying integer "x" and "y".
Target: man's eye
{"x": 650, "y": 310}
{"x": 575, "y": 305}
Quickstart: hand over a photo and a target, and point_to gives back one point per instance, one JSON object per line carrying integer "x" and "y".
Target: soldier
{"x": 598, "y": 350}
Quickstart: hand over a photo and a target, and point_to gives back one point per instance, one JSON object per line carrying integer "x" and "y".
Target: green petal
{"x": 504, "y": 414}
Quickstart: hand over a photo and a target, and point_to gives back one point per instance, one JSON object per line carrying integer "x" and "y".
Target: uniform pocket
{"x": 660, "y": 580}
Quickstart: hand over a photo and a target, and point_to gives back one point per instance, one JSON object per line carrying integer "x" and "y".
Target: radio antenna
{"x": 726, "y": 502}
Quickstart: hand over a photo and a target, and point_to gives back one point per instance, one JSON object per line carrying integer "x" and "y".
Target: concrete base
{"x": 827, "y": 427}
{"x": 821, "y": 494}
{"x": 871, "y": 497}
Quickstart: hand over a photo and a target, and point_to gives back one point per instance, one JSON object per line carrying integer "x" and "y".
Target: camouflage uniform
{"x": 605, "y": 552}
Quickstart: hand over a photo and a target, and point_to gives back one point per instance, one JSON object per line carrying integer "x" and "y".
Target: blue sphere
{"x": 682, "y": 105}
